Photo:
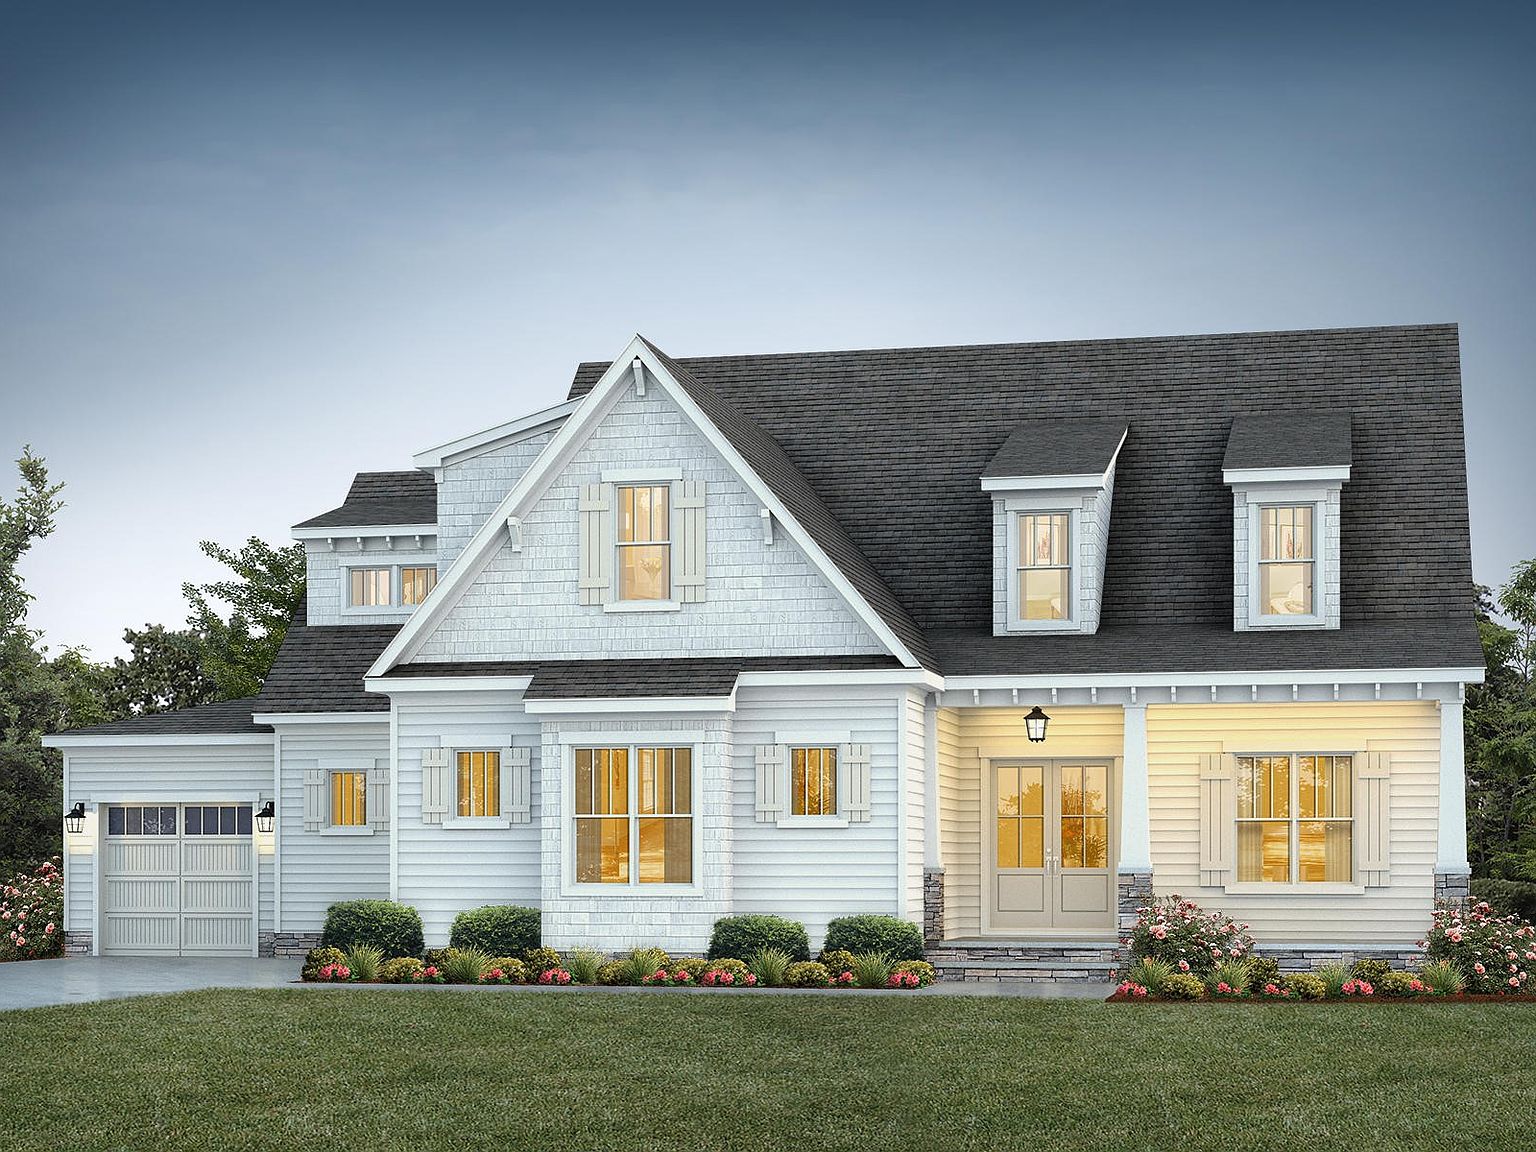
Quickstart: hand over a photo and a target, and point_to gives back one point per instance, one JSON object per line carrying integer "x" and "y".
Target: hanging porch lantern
{"x": 1034, "y": 725}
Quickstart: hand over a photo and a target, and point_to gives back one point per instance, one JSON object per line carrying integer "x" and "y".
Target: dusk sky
{"x": 244, "y": 254}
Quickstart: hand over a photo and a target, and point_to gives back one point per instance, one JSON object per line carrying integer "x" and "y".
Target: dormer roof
{"x": 383, "y": 499}
{"x": 1056, "y": 454}
{"x": 1301, "y": 443}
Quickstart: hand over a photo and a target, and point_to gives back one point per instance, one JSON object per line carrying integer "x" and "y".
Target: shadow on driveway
{"x": 80, "y": 979}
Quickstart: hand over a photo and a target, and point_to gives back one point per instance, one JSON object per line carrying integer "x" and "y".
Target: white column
{"x": 931, "y": 852}
{"x": 1135, "y": 817}
{"x": 1451, "y": 855}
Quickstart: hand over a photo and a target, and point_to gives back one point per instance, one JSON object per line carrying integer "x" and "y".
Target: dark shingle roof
{"x": 892, "y": 442}
{"x": 383, "y": 498}
{"x": 225, "y": 718}
{"x": 1288, "y": 440}
{"x": 320, "y": 668}
{"x": 1058, "y": 448}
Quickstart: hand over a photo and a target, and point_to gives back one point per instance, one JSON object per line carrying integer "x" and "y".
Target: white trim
{"x": 185, "y": 796}
{"x": 454, "y": 451}
{"x": 647, "y": 705}
{"x": 394, "y": 800}
{"x": 1467, "y": 675}
{"x": 168, "y": 739}
{"x": 633, "y": 476}
{"x": 571, "y": 435}
{"x": 1322, "y": 888}
{"x": 347, "y": 830}
{"x": 1451, "y": 823}
{"x": 642, "y": 605}
{"x": 1316, "y": 474}
{"x": 812, "y": 737}
{"x": 470, "y": 823}
{"x": 802, "y": 822}
{"x": 902, "y": 909}
{"x": 277, "y": 832}
{"x": 844, "y": 677}
{"x": 1058, "y": 480}
{"x": 1258, "y": 619}
{"x": 393, "y": 684}
{"x": 295, "y": 719}
{"x": 365, "y": 531}
{"x": 1076, "y": 570}
{"x": 1135, "y": 818}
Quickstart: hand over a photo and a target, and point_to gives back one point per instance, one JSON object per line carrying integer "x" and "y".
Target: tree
{"x": 164, "y": 671}
{"x": 268, "y": 589}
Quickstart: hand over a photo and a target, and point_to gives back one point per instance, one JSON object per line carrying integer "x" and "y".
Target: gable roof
{"x": 223, "y": 718}
{"x": 320, "y": 668}
{"x": 1059, "y": 448}
{"x": 382, "y": 498}
{"x": 1298, "y": 439}
{"x": 891, "y": 442}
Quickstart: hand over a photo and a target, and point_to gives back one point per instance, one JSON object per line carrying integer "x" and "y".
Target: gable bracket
{"x": 639, "y": 371}
{"x": 767, "y": 518}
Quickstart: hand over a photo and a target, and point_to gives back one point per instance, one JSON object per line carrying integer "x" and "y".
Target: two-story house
{"x": 994, "y": 638}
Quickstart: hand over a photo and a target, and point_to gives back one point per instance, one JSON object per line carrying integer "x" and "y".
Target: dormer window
{"x": 1045, "y": 565}
{"x": 1287, "y": 560}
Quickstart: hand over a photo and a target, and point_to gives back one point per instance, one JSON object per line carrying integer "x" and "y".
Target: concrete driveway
{"x": 80, "y": 979}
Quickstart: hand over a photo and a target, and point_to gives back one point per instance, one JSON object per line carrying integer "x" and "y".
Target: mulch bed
{"x": 1463, "y": 998}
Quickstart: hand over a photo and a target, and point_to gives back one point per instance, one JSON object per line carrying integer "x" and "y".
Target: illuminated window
{"x": 1295, "y": 819}
{"x": 649, "y": 841}
{"x": 415, "y": 583}
{"x": 1045, "y": 566}
{"x": 479, "y": 783}
{"x": 644, "y": 542}
{"x": 370, "y": 588}
{"x": 349, "y": 799}
{"x": 813, "y": 781}
{"x": 1287, "y": 563}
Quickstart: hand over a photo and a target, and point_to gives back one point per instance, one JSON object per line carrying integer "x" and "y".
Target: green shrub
{"x": 317, "y": 958}
{"x": 1263, "y": 970}
{"x": 695, "y": 966}
{"x": 898, "y": 939}
{"x": 1235, "y": 974}
{"x": 1395, "y": 983}
{"x": 1443, "y": 978}
{"x": 807, "y": 974}
{"x": 435, "y": 957}
{"x": 871, "y": 969}
{"x": 1305, "y": 986}
{"x": 838, "y": 961}
{"x": 769, "y": 965}
{"x": 1150, "y": 973}
{"x": 1372, "y": 971}
{"x": 364, "y": 961}
{"x": 465, "y": 965}
{"x": 1334, "y": 977}
{"x": 497, "y": 929}
{"x": 613, "y": 972}
{"x": 1182, "y": 986}
{"x": 727, "y": 964}
{"x": 642, "y": 962}
{"x": 394, "y": 929}
{"x": 735, "y": 937}
{"x": 511, "y": 968}
{"x": 1508, "y": 897}
{"x": 584, "y": 965}
{"x": 400, "y": 970}
{"x": 924, "y": 971}
{"x": 541, "y": 960}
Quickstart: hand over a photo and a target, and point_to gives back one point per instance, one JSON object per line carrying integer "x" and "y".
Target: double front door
{"x": 1050, "y": 865}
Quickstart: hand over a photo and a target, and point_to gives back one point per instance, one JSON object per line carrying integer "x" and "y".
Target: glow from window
{"x": 1287, "y": 565}
{"x": 1045, "y": 566}
{"x": 644, "y": 542}
{"x": 479, "y": 783}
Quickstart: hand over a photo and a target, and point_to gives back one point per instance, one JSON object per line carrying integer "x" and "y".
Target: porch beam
{"x": 1135, "y": 814}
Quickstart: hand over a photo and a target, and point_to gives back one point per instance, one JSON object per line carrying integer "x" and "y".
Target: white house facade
{"x": 760, "y": 634}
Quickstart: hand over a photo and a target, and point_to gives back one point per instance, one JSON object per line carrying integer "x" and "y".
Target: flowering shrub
{"x": 430, "y": 974}
{"x": 32, "y": 914}
{"x": 554, "y": 976}
{"x": 401, "y": 970}
{"x": 844, "y": 980}
{"x": 1399, "y": 984}
{"x": 1222, "y": 988}
{"x": 725, "y": 978}
{"x": 1493, "y": 953}
{"x": 923, "y": 970}
{"x": 1180, "y": 933}
{"x": 903, "y": 980}
{"x": 317, "y": 958}
{"x": 1353, "y": 987}
{"x": 1131, "y": 988}
{"x": 334, "y": 973}
{"x": 676, "y": 978}
{"x": 1274, "y": 991}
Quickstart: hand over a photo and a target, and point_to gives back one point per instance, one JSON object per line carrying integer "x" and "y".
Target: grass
{"x": 438, "y": 1070}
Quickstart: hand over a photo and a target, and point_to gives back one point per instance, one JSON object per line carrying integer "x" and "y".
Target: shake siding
{"x": 1409, "y": 732}
{"x": 179, "y": 774}
{"x": 444, "y": 870}
{"x": 320, "y": 869}
{"x": 816, "y": 874}
{"x": 325, "y": 568}
{"x": 468, "y": 491}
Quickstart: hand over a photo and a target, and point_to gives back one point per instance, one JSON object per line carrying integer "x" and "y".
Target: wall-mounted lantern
{"x": 74, "y": 819}
{"x": 1035, "y": 723}
{"x": 265, "y": 817}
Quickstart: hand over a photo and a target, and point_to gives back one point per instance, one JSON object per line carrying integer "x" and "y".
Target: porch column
{"x": 933, "y": 863}
{"x": 1135, "y": 818}
{"x": 1452, "y": 872}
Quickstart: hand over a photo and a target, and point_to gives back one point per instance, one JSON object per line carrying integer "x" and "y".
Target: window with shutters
{"x": 633, "y": 815}
{"x": 1295, "y": 819}
{"x": 813, "y": 781}
{"x": 479, "y": 783}
{"x": 349, "y": 799}
{"x": 643, "y": 541}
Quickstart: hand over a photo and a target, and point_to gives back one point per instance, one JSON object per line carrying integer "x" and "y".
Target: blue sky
{"x": 244, "y": 254}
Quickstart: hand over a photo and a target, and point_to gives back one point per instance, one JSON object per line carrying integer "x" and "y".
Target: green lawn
{"x": 315, "y": 1070}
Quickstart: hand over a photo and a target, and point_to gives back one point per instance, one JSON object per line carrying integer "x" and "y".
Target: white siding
{"x": 760, "y": 599}
{"x": 319, "y": 869}
{"x": 914, "y": 733}
{"x": 469, "y": 490}
{"x": 443, "y": 869}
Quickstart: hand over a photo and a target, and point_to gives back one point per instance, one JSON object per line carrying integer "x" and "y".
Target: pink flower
{"x": 429, "y": 970}
{"x": 49, "y": 929}
{"x": 1479, "y": 969}
{"x": 1514, "y": 981}
{"x": 1183, "y": 965}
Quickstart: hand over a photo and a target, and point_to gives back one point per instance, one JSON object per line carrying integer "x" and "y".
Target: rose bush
{"x": 1186, "y": 937}
{"x": 32, "y": 914}
{"x": 1495, "y": 954}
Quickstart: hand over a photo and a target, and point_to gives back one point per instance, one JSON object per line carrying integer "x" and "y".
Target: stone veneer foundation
{"x": 933, "y": 905}
{"x": 77, "y": 943}
{"x": 286, "y": 943}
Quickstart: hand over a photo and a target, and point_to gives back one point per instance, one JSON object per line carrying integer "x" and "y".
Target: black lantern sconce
{"x": 1034, "y": 725}
{"x": 265, "y": 817}
{"x": 74, "y": 819}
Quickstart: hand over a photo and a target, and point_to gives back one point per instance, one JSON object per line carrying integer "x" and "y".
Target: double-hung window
{"x": 349, "y": 799}
{"x": 479, "y": 783}
{"x": 1287, "y": 560}
{"x": 1044, "y": 566}
{"x": 813, "y": 781}
{"x": 633, "y": 815}
{"x": 643, "y": 541}
{"x": 1295, "y": 819}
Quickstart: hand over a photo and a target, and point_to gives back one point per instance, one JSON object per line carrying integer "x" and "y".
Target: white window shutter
{"x": 1373, "y": 825}
{"x": 1218, "y": 816}
{"x": 378, "y": 798}
{"x": 771, "y": 759}
{"x": 856, "y": 757}
{"x": 689, "y": 513}
{"x": 517, "y": 784}
{"x": 314, "y": 799}
{"x": 595, "y": 508}
{"x": 435, "y": 779}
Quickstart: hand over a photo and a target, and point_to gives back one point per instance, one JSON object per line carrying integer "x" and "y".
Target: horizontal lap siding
{"x": 959, "y": 831}
{"x": 1410, "y": 732}
{"x": 816, "y": 874}
{"x": 445, "y": 870}
{"x": 319, "y": 870}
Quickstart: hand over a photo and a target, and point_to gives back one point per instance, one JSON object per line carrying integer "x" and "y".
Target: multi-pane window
{"x": 349, "y": 799}
{"x": 1045, "y": 566}
{"x": 644, "y": 542}
{"x": 479, "y": 783}
{"x": 1084, "y": 816}
{"x": 370, "y": 588}
{"x": 1287, "y": 562}
{"x": 218, "y": 819}
{"x": 649, "y": 841}
{"x": 415, "y": 583}
{"x": 1295, "y": 819}
{"x": 813, "y": 781}
{"x": 141, "y": 820}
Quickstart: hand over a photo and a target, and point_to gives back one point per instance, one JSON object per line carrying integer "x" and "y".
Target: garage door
{"x": 178, "y": 880}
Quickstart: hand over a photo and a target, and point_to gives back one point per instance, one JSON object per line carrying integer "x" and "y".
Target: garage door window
{"x": 218, "y": 820}
{"x": 137, "y": 820}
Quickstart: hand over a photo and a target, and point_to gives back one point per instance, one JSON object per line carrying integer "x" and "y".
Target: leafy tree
{"x": 163, "y": 671}
{"x": 268, "y": 588}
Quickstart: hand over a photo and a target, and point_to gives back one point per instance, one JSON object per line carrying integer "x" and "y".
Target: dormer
{"x": 1051, "y": 484}
{"x": 1286, "y": 471}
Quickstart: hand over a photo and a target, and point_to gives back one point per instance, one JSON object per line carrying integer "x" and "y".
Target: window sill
{"x": 1017, "y": 627}
{"x": 472, "y": 822}
{"x": 347, "y": 830}
{"x": 642, "y": 606}
{"x": 812, "y": 822}
{"x": 1295, "y": 889}
{"x": 629, "y": 891}
{"x": 1281, "y": 622}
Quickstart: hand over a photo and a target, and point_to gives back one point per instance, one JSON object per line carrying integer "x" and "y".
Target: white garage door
{"x": 177, "y": 880}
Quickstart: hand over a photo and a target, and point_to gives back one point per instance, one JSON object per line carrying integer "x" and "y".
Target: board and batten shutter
{"x": 595, "y": 512}
{"x": 771, "y": 760}
{"x": 688, "y": 519}
{"x": 435, "y": 780}
{"x": 1218, "y": 815}
{"x": 1373, "y": 807}
{"x": 378, "y": 798}
{"x": 314, "y": 799}
{"x": 517, "y": 784}
{"x": 856, "y": 757}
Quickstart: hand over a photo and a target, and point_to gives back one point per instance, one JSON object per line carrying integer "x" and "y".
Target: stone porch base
{"x": 1038, "y": 962}
{"x": 286, "y": 943}
{"x": 77, "y": 943}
